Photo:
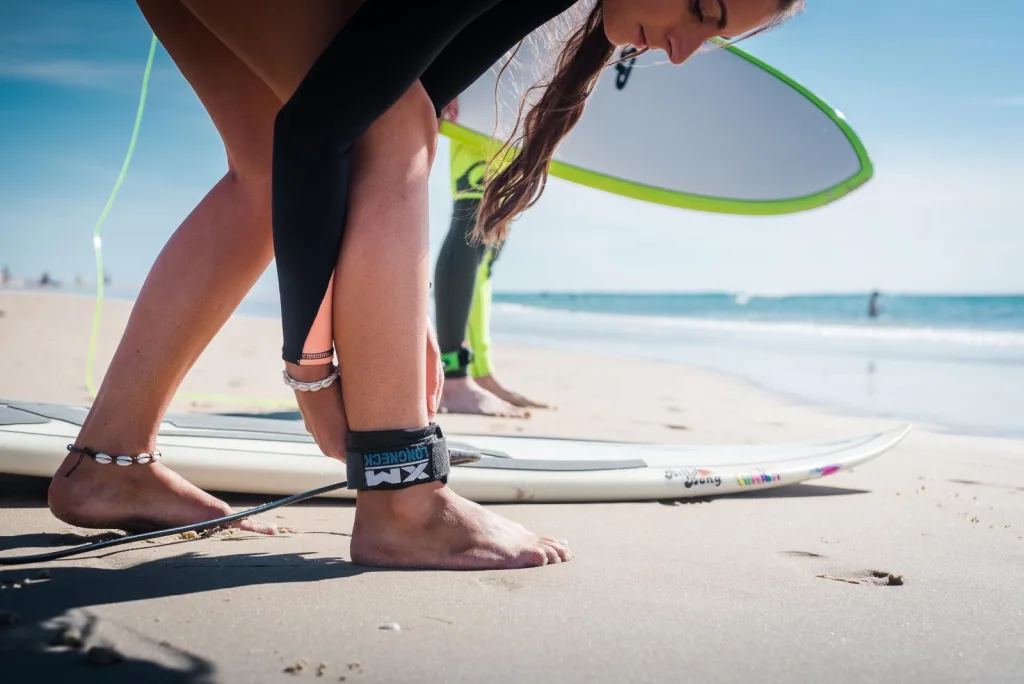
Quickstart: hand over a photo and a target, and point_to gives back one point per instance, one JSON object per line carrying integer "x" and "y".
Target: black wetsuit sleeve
{"x": 366, "y": 68}
{"x": 386, "y": 46}
{"x": 482, "y": 44}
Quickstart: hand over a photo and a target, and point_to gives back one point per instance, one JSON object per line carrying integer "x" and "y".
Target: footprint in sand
{"x": 877, "y": 578}
{"x": 500, "y": 582}
{"x": 801, "y": 554}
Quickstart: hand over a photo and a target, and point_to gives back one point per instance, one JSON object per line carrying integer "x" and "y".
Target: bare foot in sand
{"x": 463, "y": 395}
{"x": 431, "y": 527}
{"x": 491, "y": 384}
{"x": 136, "y": 498}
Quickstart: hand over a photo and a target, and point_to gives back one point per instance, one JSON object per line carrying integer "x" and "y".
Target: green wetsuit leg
{"x": 458, "y": 261}
{"x": 479, "y": 332}
{"x": 454, "y": 278}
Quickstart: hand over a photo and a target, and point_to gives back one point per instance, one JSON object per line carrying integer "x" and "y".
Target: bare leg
{"x": 277, "y": 42}
{"x": 201, "y": 275}
{"x": 381, "y": 296}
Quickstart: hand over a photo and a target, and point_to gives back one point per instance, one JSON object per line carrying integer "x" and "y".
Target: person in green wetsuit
{"x": 462, "y": 296}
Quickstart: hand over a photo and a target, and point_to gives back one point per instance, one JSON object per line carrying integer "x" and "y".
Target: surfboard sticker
{"x": 724, "y": 132}
{"x": 270, "y": 456}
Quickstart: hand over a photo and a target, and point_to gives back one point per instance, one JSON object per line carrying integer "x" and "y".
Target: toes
{"x": 532, "y": 557}
{"x": 551, "y": 554}
{"x": 560, "y": 547}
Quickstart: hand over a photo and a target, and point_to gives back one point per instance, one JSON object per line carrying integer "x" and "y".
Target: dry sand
{"x": 778, "y": 586}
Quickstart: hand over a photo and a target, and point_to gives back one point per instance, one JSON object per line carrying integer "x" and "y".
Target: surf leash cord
{"x": 207, "y": 527}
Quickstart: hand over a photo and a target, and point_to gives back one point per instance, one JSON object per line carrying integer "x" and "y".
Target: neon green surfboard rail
{"x": 662, "y": 196}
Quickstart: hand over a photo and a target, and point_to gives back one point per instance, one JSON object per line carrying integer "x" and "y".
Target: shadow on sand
{"x": 64, "y": 595}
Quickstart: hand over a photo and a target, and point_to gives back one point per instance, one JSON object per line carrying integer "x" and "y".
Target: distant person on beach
{"x": 329, "y": 155}
{"x": 462, "y": 297}
{"x": 5, "y": 276}
{"x": 874, "y": 308}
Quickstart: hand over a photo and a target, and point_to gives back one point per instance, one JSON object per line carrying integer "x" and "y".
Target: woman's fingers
{"x": 435, "y": 374}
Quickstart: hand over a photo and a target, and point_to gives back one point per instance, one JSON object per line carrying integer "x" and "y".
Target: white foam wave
{"x": 1003, "y": 339}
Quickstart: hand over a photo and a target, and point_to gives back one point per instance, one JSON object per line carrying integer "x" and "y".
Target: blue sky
{"x": 935, "y": 89}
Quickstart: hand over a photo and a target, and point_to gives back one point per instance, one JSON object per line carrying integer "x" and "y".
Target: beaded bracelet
{"x": 310, "y": 386}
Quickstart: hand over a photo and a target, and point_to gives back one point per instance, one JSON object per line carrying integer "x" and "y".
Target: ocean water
{"x": 956, "y": 362}
{"x": 955, "y": 318}
{"x": 952, "y": 361}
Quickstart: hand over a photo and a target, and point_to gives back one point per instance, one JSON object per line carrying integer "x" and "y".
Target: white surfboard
{"x": 268, "y": 456}
{"x": 723, "y": 132}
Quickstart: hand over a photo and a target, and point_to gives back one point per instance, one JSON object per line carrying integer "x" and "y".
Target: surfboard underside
{"x": 277, "y": 457}
{"x": 723, "y": 132}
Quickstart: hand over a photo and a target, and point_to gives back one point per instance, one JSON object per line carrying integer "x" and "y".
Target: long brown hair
{"x": 519, "y": 185}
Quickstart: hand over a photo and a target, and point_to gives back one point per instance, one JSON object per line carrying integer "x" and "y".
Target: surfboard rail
{"x": 647, "y": 192}
{"x": 264, "y": 456}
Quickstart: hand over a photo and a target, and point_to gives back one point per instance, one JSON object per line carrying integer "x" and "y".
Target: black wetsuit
{"x": 375, "y": 58}
{"x": 462, "y": 293}
{"x": 455, "y": 285}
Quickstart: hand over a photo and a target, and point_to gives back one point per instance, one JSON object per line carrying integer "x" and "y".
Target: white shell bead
{"x": 123, "y": 460}
{"x": 142, "y": 458}
{"x": 102, "y": 458}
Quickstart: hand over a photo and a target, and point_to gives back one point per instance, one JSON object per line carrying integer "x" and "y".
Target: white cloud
{"x": 1009, "y": 101}
{"x": 72, "y": 72}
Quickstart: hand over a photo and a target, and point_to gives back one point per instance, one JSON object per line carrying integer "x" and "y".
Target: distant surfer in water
{"x": 329, "y": 117}
{"x": 874, "y": 308}
{"x": 462, "y": 297}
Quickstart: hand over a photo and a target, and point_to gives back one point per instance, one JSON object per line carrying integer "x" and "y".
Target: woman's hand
{"x": 450, "y": 111}
{"x": 323, "y": 412}
{"x": 435, "y": 374}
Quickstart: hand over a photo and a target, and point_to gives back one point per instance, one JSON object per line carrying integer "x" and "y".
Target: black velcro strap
{"x": 395, "y": 459}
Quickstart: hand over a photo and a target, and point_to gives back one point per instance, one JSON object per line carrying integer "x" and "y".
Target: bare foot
{"x": 463, "y": 395}
{"x": 491, "y": 384}
{"x": 136, "y": 498}
{"x": 431, "y": 527}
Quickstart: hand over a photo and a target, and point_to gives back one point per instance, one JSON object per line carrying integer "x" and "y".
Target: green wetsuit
{"x": 462, "y": 276}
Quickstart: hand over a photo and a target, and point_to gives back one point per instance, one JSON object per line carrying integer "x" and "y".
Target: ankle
{"x": 113, "y": 428}
{"x": 419, "y": 502}
{"x": 116, "y": 442}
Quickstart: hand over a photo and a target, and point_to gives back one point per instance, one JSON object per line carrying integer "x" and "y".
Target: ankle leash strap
{"x": 456, "y": 362}
{"x": 395, "y": 459}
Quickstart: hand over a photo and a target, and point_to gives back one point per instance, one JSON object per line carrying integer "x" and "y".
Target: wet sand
{"x": 793, "y": 584}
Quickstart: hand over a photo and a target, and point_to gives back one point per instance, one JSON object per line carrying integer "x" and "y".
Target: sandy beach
{"x": 779, "y": 586}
